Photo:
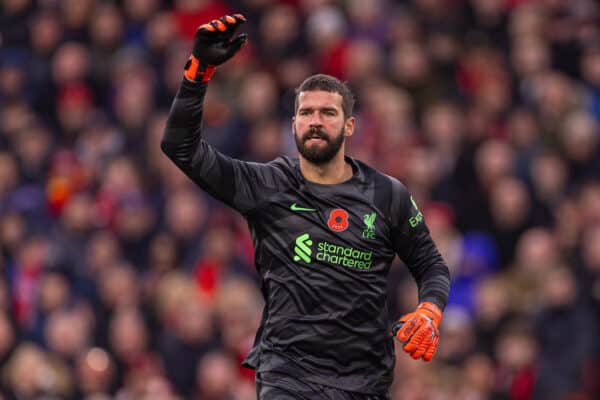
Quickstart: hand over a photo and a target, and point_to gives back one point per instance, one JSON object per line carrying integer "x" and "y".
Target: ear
{"x": 349, "y": 126}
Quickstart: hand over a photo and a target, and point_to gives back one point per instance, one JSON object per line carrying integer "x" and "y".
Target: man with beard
{"x": 326, "y": 228}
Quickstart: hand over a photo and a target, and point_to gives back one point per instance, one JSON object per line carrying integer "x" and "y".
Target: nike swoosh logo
{"x": 294, "y": 207}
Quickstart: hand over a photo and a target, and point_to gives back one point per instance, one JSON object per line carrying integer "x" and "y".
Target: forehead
{"x": 319, "y": 99}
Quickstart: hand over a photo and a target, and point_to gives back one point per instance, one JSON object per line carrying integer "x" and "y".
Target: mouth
{"x": 314, "y": 137}
{"x": 312, "y": 140}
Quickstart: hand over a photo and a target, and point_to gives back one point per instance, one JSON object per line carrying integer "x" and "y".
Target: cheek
{"x": 298, "y": 127}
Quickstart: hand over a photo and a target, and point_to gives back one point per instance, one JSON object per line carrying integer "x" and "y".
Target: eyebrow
{"x": 319, "y": 108}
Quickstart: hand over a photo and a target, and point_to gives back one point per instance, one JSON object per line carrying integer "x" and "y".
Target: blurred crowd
{"x": 120, "y": 279}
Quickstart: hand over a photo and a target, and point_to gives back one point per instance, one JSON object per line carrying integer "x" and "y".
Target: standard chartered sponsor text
{"x": 345, "y": 256}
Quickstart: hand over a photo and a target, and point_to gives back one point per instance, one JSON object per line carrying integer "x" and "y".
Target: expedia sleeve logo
{"x": 418, "y": 217}
{"x": 331, "y": 253}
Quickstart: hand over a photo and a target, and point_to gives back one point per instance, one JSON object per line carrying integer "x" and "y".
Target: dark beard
{"x": 315, "y": 154}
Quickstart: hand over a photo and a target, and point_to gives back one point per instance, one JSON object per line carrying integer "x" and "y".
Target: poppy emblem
{"x": 338, "y": 220}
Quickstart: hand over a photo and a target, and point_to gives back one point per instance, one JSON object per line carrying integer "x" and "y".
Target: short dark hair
{"x": 327, "y": 83}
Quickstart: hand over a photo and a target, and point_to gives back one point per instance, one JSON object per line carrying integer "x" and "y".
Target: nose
{"x": 315, "y": 120}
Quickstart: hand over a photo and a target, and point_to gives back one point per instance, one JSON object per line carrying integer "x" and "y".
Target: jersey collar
{"x": 357, "y": 174}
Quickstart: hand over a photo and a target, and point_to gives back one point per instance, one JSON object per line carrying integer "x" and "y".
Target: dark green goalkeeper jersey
{"x": 323, "y": 253}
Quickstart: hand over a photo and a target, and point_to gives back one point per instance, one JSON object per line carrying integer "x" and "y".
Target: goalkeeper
{"x": 326, "y": 228}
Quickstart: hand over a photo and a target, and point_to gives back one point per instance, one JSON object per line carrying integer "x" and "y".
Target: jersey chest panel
{"x": 337, "y": 230}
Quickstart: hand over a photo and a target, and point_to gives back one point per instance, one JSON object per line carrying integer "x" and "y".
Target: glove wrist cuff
{"x": 197, "y": 71}
{"x": 432, "y": 311}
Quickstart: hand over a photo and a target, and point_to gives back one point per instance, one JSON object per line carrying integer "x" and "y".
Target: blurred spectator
{"x": 265, "y": 140}
{"x": 128, "y": 339}
{"x": 492, "y": 309}
{"x": 102, "y": 250}
{"x": 118, "y": 287}
{"x": 31, "y": 372}
{"x": 459, "y": 335}
{"x": 510, "y": 206}
{"x": 560, "y": 368}
{"x": 119, "y": 279}
{"x": 54, "y": 295}
{"x": 133, "y": 102}
{"x": 238, "y": 306}
{"x": 590, "y": 276}
{"x": 68, "y": 332}
{"x": 25, "y": 276}
{"x": 279, "y": 33}
{"x": 186, "y": 338}
{"x": 95, "y": 372}
{"x": 216, "y": 376}
{"x": 477, "y": 258}
{"x": 185, "y": 217}
{"x": 478, "y": 378}
{"x": 590, "y": 71}
{"x": 325, "y": 30}
{"x": 9, "y": 176}
{"x": 363, "y": 59}
{"x": 13, "y": 72}
{"x": 8, "y": 337}
{"x": 515, "y": 352}
{"x": 443, "y": 125}
{"x": 33, "y": 145}
{"x": 14, "y": 22}
{"x": 580, "y": 137}
{"x": 366, "y": 19}
{"x": 536, "y": 254}
{"x": 549, "y": 177}
{"x": 162, "y": 259}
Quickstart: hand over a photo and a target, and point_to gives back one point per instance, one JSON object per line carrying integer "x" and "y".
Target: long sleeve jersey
{"x": 323, "y": 253}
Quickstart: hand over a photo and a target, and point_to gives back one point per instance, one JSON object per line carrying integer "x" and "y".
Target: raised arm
{"x": 239, "y": 184}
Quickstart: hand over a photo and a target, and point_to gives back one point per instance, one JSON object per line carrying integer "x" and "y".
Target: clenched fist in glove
{"x": 213, "y": 45}
{"x": 419, "y": 331}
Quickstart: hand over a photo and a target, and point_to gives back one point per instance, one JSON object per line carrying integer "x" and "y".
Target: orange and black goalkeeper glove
{"x": 419, "y": 332}
{"x": 213, "y": 45}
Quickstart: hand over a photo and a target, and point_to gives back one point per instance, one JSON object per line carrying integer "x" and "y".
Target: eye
{"x": 304, "y": 112}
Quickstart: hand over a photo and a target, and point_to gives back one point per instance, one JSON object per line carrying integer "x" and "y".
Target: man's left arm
{"x": 419, "y": 330}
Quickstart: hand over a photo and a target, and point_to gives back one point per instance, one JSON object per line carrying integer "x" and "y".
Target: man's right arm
{"x": 241, "y": 185}
{"x": 183, "y": 144}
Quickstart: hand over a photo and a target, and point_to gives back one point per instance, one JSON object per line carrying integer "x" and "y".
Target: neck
{"x": 335, "y": 171}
